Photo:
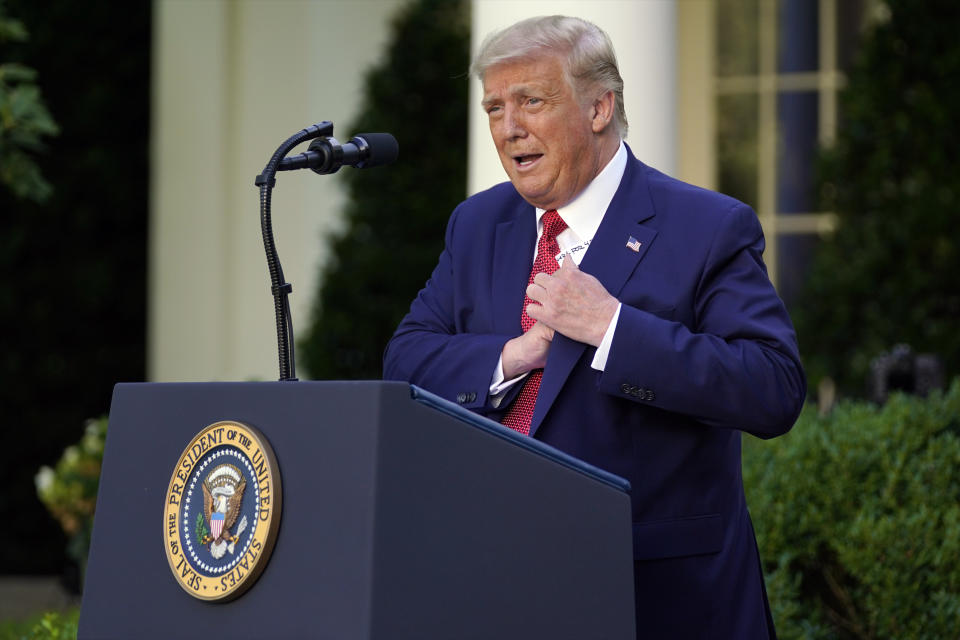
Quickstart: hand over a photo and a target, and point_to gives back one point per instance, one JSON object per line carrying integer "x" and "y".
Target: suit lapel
{"x": 512, "y": 260}
{"x": 612, "y": 262}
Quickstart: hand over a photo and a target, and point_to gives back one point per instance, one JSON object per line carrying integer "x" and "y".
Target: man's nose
{"x": 515, "y": 124}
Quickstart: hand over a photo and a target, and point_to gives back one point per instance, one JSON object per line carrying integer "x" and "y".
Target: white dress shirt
{"x": 583, "y": 216}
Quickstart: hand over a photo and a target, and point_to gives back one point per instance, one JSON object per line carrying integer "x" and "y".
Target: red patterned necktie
{"x": 521, "y": 412}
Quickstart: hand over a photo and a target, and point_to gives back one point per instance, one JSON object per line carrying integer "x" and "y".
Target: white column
{"x": 187, "y": 204}
{"x": 232, "y": 80}
{"x": 644, "y": 36}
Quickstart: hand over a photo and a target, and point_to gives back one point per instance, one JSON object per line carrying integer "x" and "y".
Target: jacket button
{"x": 625, "y": 388}
{"x": 461, "y": 398}
{"x": 651, "y": 396}
{"x": 471, "y": 397}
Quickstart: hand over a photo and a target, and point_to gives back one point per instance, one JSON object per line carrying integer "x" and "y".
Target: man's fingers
{"x": 542, "y": 331}
{"x": 536, "y": 292}
{"x": 527, "y": 351}
{"x": 541, "y": 279}
{"x": 533, "y": 310}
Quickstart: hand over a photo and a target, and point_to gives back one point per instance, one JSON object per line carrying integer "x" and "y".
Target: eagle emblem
{"x": 222, "y": 511}
{"x": 222, "y": 499}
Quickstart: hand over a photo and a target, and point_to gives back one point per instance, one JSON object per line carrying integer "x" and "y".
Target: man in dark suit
{"x": 655, "y": 343}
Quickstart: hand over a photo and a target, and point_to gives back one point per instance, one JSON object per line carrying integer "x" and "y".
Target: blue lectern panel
{"x": 401, "y": 519}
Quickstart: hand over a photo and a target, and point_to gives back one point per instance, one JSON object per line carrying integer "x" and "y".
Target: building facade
{"x": 734, "y": 95}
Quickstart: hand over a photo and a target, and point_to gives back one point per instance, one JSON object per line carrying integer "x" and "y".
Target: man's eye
{"x": 534, "y": 101}
{"x": 492, "y": 109}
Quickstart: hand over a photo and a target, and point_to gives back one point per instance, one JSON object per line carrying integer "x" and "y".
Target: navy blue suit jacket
{"x": 703, "y": 350}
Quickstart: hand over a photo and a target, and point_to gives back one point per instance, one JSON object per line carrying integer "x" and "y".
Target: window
{"x": 778, "y": 65}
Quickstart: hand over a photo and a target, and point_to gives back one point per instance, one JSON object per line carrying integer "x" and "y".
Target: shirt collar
{"x": 585, "y": 212}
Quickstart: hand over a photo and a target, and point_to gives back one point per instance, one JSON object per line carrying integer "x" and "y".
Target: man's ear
{"x": 603, "y": 108}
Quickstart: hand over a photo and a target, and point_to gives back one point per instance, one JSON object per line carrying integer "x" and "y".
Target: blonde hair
{"x": 590, "y": 61}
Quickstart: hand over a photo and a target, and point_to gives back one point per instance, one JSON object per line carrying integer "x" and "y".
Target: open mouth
{"x": 526, "y": 160}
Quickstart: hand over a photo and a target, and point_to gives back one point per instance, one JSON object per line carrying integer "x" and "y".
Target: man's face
{"x": 544, "y": 136}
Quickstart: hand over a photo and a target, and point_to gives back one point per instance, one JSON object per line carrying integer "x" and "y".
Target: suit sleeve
{"x": 430, "y": 347}
{"x": 736, "y": 365}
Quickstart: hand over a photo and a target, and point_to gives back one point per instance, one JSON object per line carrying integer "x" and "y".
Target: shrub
{"x": 69, "y": 491}
{"x": 857, "y": 515}
{"x": 396, "y": 215}
{"x": 24, "y": 121}
{"x": 47, "y": 626}
{"x": 888, "y": 274}
{"x": 72, "y": 270}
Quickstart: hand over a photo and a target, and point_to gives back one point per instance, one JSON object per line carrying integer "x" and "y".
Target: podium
{"x": 403, "y": 516}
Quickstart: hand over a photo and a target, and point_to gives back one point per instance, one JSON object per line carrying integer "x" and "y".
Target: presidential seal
{"x": 222, "y": 511}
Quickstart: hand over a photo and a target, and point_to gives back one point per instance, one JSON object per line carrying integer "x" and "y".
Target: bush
{"x": 73, "y": 269}
{"x": 888, "y": 274}
{"x": 69, "y": 491}
{"x": 47, "y": 626}
{"x": 858, "y": 519}
{"x": 25, "y": 121}
{"x": 396, "y": 215}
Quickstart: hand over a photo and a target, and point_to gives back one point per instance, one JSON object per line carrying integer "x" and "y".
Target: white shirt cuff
{"x": 499, "y": 386}
{"x": 603, "y": 351}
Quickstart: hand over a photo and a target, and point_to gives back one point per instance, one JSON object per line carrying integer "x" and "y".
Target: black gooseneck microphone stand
{"x": 325, "y": 155}
{"x": 280, "y": 288}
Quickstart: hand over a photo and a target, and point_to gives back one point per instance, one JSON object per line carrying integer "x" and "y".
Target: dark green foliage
{"x": 889, "y": 274}
{"x": 73, "y": 269}
{"x": 858, "y": 519}
{"x": 47, "y": 626}
{"x": 396, "y": 216}
{"x": 24, "y": 121}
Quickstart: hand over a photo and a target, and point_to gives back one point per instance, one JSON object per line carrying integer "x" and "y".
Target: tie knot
{"x": 553, "y": 224}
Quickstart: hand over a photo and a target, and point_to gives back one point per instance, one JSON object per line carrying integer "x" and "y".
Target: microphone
{"x": 326, "y": 155}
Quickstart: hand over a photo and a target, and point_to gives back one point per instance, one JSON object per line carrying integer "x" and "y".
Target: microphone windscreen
{"x": 383, "y": 148}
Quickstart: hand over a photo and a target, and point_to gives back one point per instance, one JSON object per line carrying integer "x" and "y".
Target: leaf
{"x": 12, "y": 30}
{"x": 24, "y": 123}
{"x": 13, "y": 72}
{"x": 200, "y": 529}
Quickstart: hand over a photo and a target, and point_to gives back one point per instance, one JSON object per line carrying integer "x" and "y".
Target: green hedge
{"x": 45, "y": 626}
{"x": 857, "y": 515}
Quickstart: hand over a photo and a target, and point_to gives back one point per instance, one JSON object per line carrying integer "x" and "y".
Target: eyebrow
{"x": 516, "y": 90}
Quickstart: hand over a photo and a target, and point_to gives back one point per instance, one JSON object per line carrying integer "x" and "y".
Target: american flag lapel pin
{"x": 633, "y": 244}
